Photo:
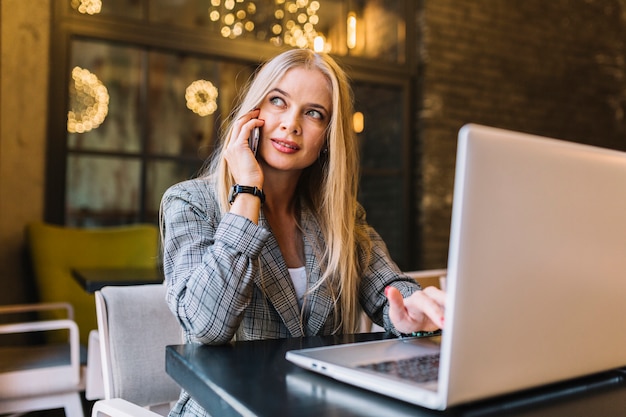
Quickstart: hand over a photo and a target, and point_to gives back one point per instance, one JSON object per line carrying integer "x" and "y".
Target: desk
{"x": 253, "y": 378}
{"x": 93, "y": 279}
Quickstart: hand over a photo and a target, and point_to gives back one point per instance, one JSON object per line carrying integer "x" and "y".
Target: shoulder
{"x": 194, "y": 189}
{"x": 199, "y": 194}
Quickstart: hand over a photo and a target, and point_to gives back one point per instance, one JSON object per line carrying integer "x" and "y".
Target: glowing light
{"x": 358, "y": 122}
{"x": 90, "y": 102}
{"x": 201, "y": 96}
{"x": 297, "y": 20}
{"x": 318, "y": 44}
{"x": 351, "y": 39}
{"x": 293, "y": 24}
{"x": 277, "y": 29}
{"x": 87, "y": 6}
{"x": 236, "y": 17}
{"x": 229, "y": 19}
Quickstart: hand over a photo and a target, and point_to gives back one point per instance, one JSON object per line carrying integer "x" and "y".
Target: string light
{"x": 90, "y": 100}
{"x": 293, "y": 22}
{"x": 87, "y": 6}
{"x": 235, "y": 16}
{"x": 295, "y": 26}
{"x": 201, "y": 96}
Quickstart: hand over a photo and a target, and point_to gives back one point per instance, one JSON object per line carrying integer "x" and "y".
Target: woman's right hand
{"x": 242, "y": 162}
{"x": 244, "y": 166}
{"x": 422, "y": 311}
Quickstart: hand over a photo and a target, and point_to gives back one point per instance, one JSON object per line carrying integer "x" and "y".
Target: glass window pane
{"x": 382, "y": 161}
{"x": 383, "y": 199}
{"x": 103, "y": 112}
{"x": 102, "y": 190}
{"x": 383, "y": 134}
{"x": 189, "y": 97}
{"x": 160, "y": 176}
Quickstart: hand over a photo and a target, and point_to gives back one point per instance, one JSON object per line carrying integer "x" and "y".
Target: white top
{"x": 298, "y": 277}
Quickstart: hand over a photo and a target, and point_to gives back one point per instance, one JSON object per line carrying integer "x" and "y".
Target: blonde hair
{"x": 329, "y": 186}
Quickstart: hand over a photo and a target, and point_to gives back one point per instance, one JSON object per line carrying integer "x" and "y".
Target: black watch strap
{"x": 245, "y": 189}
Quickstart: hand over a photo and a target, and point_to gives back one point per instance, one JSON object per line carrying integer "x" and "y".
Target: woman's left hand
{"x": 422, "y": 311}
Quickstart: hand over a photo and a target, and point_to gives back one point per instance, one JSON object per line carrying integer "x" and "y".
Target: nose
{"x": 290, "y": 122}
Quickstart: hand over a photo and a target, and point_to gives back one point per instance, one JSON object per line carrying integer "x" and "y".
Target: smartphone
{"x": 253, "y": 140}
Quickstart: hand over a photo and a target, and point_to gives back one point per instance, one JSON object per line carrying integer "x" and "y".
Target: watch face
{"x": 232, "y": 194}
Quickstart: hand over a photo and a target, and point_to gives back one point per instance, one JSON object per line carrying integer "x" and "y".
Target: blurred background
{"x": 106, "y": 103}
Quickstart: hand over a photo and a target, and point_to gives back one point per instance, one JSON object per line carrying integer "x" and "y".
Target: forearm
{"x": 209, "y": 270}
{"x": 381, "y": 271}
{"x": 209, "y": 297}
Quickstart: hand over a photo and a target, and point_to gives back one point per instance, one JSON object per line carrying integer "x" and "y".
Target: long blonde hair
{"x": 329, "y": 186}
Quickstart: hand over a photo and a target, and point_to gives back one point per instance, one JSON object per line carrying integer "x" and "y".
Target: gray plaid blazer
{"x": 226, "y": 276}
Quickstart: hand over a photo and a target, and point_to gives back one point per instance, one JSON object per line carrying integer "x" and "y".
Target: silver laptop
{"x": 536, "y": 284}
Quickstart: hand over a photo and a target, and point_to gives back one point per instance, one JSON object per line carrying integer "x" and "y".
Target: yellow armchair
{"x": 56, "y": 250}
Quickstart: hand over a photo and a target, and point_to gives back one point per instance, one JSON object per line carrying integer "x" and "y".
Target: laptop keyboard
{"x": 418, "y": 369}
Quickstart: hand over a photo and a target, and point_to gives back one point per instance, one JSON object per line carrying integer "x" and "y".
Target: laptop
{"x": 536, "y": 283}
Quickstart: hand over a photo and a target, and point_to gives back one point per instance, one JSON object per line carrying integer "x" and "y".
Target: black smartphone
{"x": 253, "y": 140}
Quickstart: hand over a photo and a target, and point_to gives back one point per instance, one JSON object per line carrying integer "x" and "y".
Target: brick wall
{"x": 554, "y": 68}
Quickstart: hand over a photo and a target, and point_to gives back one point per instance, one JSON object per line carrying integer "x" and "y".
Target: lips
{"x": 286, "y": 145}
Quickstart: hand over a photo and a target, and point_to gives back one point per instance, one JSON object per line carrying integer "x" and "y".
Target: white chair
{"x": 134, "y": 326}
{"x": 94, "y": 384}
{"x": 430, "y": 277}
{"x": 426, "y": 278}
{"x": 44, "y": 375}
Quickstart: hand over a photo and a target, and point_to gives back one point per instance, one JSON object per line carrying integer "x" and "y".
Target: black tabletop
{"x": 93, "y": 279}
{"x": 253, "y": 378}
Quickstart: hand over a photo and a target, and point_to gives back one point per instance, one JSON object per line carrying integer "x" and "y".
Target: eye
{"x": 316, "y": 114}
{"x": 277, "y": 101}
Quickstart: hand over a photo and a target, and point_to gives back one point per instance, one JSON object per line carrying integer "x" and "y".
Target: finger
{"x": 242, "y": 128}
{"x": 403, "y": 319}
{"x": 434, "y": 312}
{"x": 436, "y": 294}
{"x": 397, "y": 310}
{"x": 252, "y": 114}
{"x": 423, "y": 307}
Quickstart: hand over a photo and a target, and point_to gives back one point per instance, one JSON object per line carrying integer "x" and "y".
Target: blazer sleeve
{"x": 380, "y": 271}
{"x": 209, "y": 261}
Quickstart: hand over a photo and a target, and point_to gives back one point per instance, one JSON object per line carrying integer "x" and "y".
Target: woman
{"x": 276, "y": 245}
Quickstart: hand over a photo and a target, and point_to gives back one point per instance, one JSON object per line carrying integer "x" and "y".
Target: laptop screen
{"x": 537, "y": 262}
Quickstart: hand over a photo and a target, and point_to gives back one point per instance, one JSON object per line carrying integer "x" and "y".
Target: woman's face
{"x": 296, "y": 111}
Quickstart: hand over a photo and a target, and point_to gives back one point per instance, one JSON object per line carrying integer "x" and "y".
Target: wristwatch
{"x": 245, "y": 189}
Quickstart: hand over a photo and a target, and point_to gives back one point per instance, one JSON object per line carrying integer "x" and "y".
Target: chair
{"x": 56, "y": 250}
{"x": 426, "y": 278}
{"x": 430, "y": 277}
{"x": 43, "y": 375}
{"x": 135, "y": 325}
